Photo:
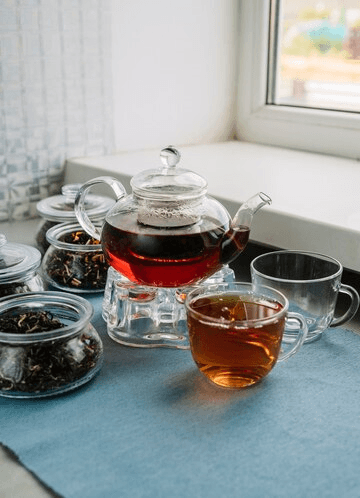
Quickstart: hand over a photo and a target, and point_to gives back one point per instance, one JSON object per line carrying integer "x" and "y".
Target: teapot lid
{"x": 16, "y": 259}
{"x": 61, "y": 207}
{"x": 169, "y": 183}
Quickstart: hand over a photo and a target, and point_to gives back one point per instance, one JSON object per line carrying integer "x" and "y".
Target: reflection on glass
{"x": 318, "y": 55}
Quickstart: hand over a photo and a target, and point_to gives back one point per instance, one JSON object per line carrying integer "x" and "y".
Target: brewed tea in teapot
{"x": 169, "y": 232}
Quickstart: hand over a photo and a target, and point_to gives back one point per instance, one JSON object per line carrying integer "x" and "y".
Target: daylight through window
{"x": 315, "y": 54}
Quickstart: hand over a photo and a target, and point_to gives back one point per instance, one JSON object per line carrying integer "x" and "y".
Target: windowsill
{"x": 315, "y": 197}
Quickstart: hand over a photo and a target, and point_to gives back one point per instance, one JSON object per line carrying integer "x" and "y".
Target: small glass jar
{"x": 60, "y": 209}
{"x": 47, "y": 344}
{"x": 74, "y": 260}
{"x": 19, "y": 268}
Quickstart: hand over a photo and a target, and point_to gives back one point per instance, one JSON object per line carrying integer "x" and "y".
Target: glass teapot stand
{"x": 149, "y": 317}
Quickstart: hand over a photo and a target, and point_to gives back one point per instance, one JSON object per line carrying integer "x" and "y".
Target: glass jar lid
{"x": 16, "y": 260}
{"x": 169, "y": 183}
{"x": 61, "y": 207}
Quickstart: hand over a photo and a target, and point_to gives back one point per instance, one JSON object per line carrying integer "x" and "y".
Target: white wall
{"x": 174, "y": 77}
{"x": 174, "y": 72}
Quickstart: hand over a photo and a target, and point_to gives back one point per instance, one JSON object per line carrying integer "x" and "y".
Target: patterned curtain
{"x": 55, "y": 95}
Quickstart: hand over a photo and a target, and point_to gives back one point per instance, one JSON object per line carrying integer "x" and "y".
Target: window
{"x": 315, "y": 51}
{"x": 283, "y": 102}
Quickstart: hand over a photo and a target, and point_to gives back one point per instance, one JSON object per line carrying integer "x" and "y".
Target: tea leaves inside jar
{"x": 43, "y": 366}
{"x": 29, "y": 323}
{"x": 78, "y": 270}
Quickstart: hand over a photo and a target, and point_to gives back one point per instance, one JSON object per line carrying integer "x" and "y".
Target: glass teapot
{"x": 168, "y": 232}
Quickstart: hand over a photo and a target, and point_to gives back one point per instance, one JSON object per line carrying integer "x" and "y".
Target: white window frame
{"x": 324, "y": 131}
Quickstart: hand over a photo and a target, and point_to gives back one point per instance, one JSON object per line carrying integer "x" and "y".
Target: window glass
{"x": 315, "y": 54}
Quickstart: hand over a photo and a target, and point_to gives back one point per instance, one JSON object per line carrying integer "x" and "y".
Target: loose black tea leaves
{"x": 40, "y": 367}
{"x": 80, "y": 237}
{"x": 30, "y": 323}
{"x": 84, "y": 270}
{"x": 7, "y": 289}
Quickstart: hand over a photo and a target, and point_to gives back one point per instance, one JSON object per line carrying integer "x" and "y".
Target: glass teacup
{"x": 237, "y": 333}
{"x": 311, "y": 282}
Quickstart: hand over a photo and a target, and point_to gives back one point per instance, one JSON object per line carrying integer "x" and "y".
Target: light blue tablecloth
{"x": 149, "y": 425}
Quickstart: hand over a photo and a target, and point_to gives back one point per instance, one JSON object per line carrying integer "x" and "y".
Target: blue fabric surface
{"x": 149, "y": 425}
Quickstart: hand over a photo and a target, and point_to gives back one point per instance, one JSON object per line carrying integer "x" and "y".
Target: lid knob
{"x": 70, "y": 190}
{"x": 170, "y": 156}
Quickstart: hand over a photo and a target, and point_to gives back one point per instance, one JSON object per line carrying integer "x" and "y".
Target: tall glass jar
{"x": 60, "y": 209}
{"x": 47, "y": 344}
{"x": 19, "y": 268}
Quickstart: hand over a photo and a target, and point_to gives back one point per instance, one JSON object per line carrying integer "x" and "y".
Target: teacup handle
{"x": 296, "y": 340}
{"x": 349, "y": 314}
{"x": 79, "y": 205}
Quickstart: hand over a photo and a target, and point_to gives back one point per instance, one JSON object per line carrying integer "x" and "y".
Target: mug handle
{"x": 79, "y": 206}
{"x": 349, "y": 314}
{"x": 298, "y": 340}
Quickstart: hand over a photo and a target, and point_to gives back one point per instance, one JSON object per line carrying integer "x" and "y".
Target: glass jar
{"x": 47, "y": 344}
{"x": 19, "y": 265}
{"x": 60, "y": 209}
{"x": 74, "y": 260}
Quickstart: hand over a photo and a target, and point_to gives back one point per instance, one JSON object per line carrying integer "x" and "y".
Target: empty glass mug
{"x": 311, "y": 282}
{"x": 237, "y": 333}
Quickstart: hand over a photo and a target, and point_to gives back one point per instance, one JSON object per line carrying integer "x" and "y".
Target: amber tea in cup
{"x": 236, "y": 334}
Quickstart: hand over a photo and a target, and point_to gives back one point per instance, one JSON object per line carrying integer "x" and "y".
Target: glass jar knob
{"x": 70, "y": 191}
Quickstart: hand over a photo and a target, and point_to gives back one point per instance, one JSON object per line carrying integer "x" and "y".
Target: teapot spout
{"x": 244, "y": 216}
{"x": 236, "y": 238}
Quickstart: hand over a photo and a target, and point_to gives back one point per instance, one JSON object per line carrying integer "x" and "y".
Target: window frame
{"x": 316, "y": 130}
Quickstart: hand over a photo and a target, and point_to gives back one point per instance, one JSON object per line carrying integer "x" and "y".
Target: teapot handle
{"x": 79, "y": 205}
